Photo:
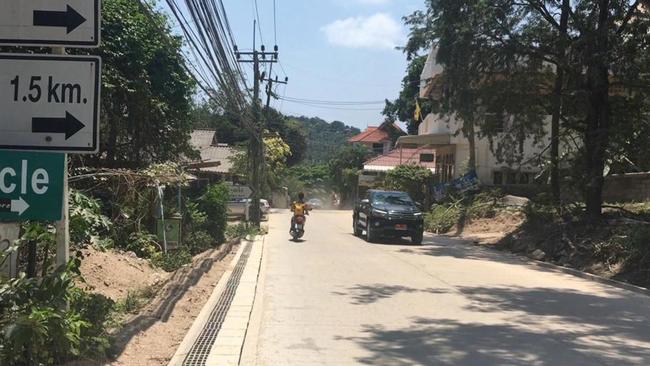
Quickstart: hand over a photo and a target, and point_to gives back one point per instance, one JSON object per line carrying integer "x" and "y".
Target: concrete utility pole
{"x": 256, "y": 144}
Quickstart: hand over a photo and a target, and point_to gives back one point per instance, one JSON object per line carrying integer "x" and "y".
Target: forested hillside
{"x": 324, "y": 138}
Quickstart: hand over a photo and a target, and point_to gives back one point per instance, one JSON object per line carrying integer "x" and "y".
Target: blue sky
{"x": 339, "y": 50}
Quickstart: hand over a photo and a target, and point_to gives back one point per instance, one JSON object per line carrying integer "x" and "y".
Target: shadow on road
{"x": 369, "y": 294}
{"x": 545, "y": 327}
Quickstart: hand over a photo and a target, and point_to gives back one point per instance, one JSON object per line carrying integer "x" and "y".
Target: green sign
{"x": 31, "y": 186}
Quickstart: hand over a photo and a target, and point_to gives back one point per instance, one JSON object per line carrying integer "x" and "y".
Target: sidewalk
{"x": 218, "y": 333}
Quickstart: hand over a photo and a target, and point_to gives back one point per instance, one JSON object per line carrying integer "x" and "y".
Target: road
{"x": 337, "y": 300}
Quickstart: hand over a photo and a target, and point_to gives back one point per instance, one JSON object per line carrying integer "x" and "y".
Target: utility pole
{"x": 269, "y": 89}
{"x": 256, "y": 144}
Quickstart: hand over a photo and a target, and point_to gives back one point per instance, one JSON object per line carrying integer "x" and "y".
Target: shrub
{"x": 143, "y": 244}
{"x": 241, "y": 231}
{"x": 442, "y": 218}
{"x": 409, "y": 178}
{"x": 172, "y": 260}
{"x": 199, "y": 241}
{"x": 86, "y": 220}
{"x": 35, "y": 325}
{"x": 97, "y": 310}
{"x": 213, "y": 203}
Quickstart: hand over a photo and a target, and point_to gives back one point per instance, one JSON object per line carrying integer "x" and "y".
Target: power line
{"x": 334, "y": 103}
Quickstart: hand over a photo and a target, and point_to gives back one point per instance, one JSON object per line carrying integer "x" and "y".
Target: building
{"x": 444, "y": 136}
{"x": 379, "y": 140}
{"x": 216, "y": 162}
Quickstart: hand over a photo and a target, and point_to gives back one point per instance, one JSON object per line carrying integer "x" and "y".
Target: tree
{"x": 403, "y": 108}
{"x": 570, "y": 51}
{"x": 413, "y": 179}
{"x": 147, "y": 93}
{"x": 344, "y": 168}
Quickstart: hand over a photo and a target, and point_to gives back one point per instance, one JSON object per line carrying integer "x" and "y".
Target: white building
{"x": 443, "y": 133}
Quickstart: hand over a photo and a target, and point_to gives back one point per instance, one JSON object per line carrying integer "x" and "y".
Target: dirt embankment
{"x": 115, "y": 274}
{"x": 151, "y": 336}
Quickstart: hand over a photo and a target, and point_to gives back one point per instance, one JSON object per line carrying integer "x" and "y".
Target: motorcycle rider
{"x": 299, "y": 208}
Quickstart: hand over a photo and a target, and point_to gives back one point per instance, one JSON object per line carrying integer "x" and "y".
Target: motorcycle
{"x": 297, "y": 227}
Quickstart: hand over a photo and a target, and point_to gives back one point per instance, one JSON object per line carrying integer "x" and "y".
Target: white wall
{"x": 486, "y": 161}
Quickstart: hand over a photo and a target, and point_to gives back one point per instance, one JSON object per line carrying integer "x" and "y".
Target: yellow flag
{"x": 418, "y": 111}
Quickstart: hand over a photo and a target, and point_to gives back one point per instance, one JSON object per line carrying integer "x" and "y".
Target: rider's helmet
{"x": 301, "y": 196}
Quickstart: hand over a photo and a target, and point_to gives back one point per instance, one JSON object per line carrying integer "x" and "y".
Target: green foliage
{"x": 87, "y": 223}
{"x": 143, "y": 244}
{"x": 403, "y": 108}
{"x": 241, "y": 231}
{"x": 311, "y": 176}
{"x": 147, "y": 92}
{"x": 213, "y": 203}
{"x": 36, "y": 326}
{"x": 97, "y": 310}
{"x": 199, "y": 241}
{"x": 324, "y": 140}
{"x": 412, "y": 179}
{"x": 442, "y": 218}
{"x": 344, "y": 168}
{"x": 135, "y": 300}
{"x": 173, "y": 259}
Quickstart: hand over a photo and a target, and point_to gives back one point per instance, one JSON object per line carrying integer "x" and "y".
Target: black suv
{"x": 388, "y": 214}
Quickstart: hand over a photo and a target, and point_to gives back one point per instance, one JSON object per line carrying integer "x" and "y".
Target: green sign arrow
{"x": 31, "y": 186}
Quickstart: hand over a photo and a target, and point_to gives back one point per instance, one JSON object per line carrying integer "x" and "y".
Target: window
{"x": 378, "y": 148}
{"x": 511, "y": 178}
{"x": 497, "y": 178}
{"x": 524, "y": 178}
{"x": 427, "y": 158}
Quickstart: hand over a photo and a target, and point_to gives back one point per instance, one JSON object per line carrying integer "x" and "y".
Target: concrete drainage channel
{"x": 199, "y": 352}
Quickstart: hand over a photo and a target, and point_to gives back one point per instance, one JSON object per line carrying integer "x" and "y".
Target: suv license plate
{"x": 400, "y": 227}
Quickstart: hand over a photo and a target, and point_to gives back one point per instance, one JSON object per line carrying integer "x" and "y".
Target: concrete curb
{"x": 197, "y": 326}
{"x": 567, "y": 270}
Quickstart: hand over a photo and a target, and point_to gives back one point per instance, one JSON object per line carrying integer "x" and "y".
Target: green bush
{"x": 87, "y": 223}
{"x": 172, "y": 260}
{"x": 409, "y": 178}
{"x": 199, "y": 241}
{"x": 213, "y": 203}
{"x": 442, "y": 218}
{"x": 97, "y": 310}
{"x": 36, "y": 326}
{"x": 241, "y": 231}
{"x": 143, "y": 244}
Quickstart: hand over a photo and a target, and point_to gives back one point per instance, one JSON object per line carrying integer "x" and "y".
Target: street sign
{"x": 72, "y": 23}
{"x": 240, "y": 192}
{"x": 31, "y": 186}
{"x": 49, "y": 103}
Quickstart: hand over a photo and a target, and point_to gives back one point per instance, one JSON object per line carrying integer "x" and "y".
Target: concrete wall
{"x": 486, "y": 161}
{"x": 634, "y": 187}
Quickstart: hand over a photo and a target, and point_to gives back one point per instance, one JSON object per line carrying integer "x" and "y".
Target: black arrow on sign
{"x": 68, "y": 125}
{"x": 69, "y": 19}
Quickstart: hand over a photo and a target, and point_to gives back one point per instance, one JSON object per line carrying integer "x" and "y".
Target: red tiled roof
{"x": 408, "y": 156}
{"x": 371, "y": 134}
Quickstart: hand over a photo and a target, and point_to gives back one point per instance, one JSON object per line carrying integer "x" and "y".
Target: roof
{"x": 376, "y": 134}
{"x": 399, "y": 157}
{"x": 434, "y": 139}
{"x": 202, "y": 138}
{"x": 205, "y": 142}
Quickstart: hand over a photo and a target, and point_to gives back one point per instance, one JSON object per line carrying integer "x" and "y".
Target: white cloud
{"x": 379, "y": 31}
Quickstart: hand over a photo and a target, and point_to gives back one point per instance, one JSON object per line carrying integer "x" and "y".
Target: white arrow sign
{"x": 19, "y": 206}
{"x": 49, "y": 103}
{"x": 73, "y": 23}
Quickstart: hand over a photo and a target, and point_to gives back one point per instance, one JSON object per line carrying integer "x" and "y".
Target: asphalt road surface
{"x": 334, "y": 299}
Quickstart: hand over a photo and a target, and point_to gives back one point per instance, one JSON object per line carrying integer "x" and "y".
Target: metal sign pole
{"x": 63, "y": 226}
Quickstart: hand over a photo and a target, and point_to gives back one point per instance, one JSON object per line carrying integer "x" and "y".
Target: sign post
{"x": 31, "y": 186}
{"x": 73, "y": 23}
{"x": 49, "y": 103}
